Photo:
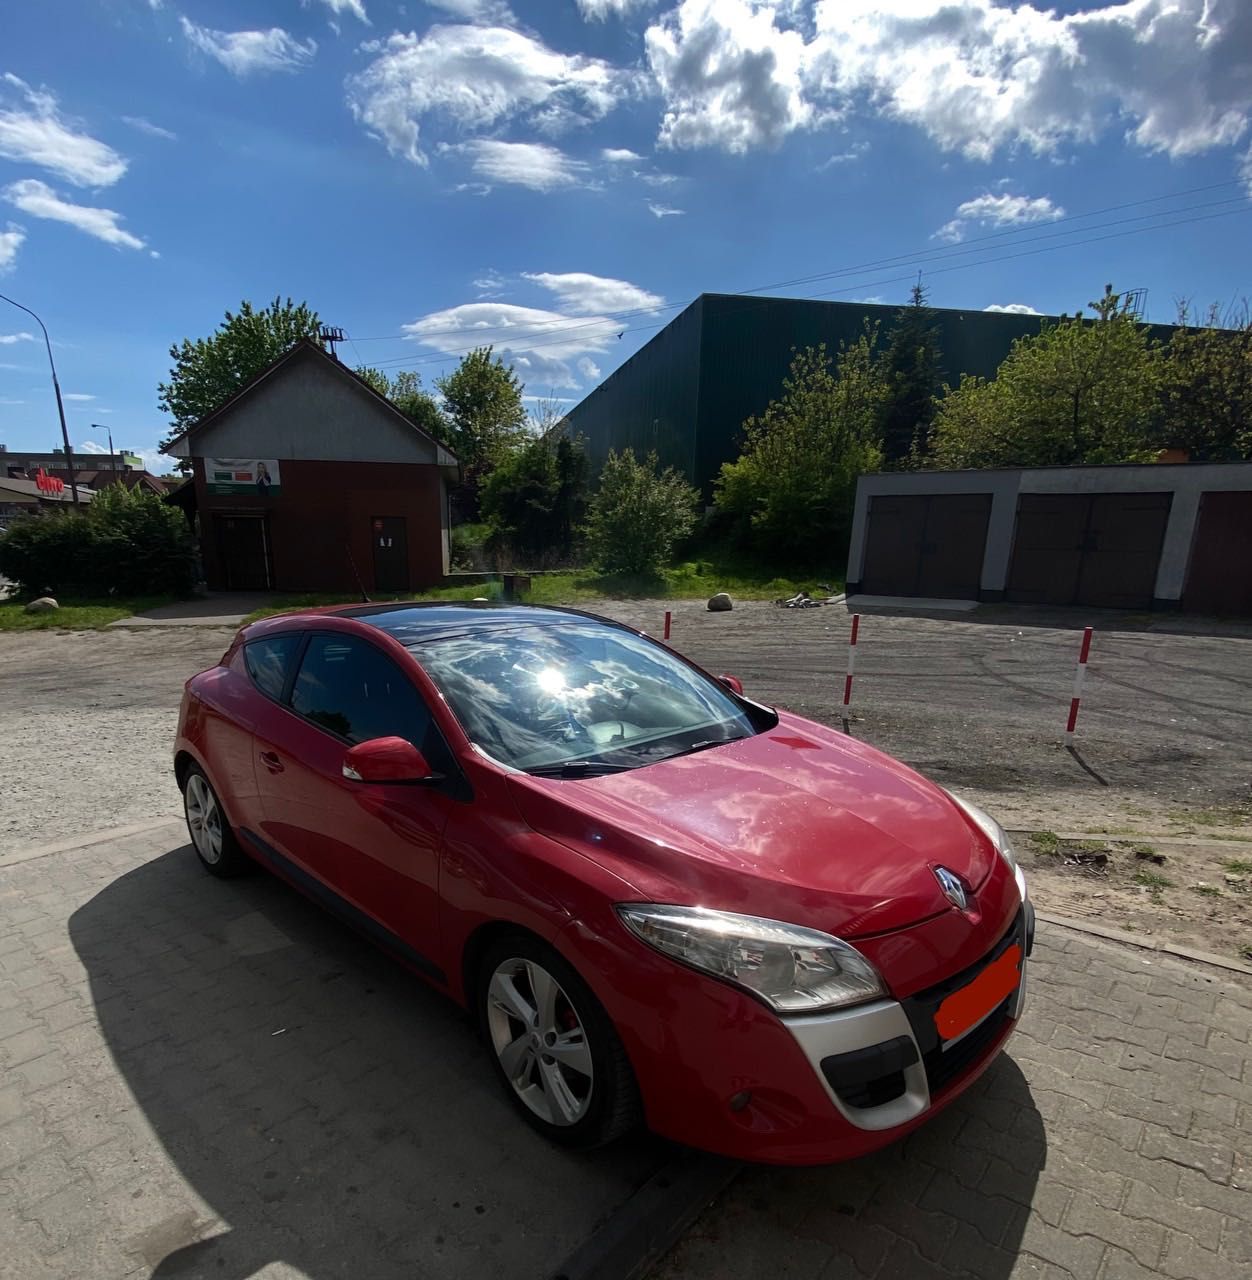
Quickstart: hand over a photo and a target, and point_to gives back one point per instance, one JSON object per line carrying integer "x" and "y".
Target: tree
{"x": 207, "y": 372}
{"x": 1206, "y": 386}
{"x": 483, "y": 400}
{"x": 534, "y": 500}
{"x": 406, "y": 392}
{"x": 791, "y": 489}
{"x": 1081, "y": 391}
{"x": 637, "y": 514}
{"x": 912, "y": 376}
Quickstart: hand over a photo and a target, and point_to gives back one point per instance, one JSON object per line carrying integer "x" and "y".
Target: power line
{"x": 575, "y": 323}
{"x": 1068, "y": 241}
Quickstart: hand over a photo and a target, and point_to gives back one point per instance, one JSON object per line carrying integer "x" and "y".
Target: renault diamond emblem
{"x": 952, "y": 887}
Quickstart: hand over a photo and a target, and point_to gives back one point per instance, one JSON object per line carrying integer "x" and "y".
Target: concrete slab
{"x": 211, "y": 1078}
{"x": 221, "y": 609}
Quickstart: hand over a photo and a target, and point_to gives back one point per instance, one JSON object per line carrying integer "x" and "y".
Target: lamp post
{"x": 95, "y": 426}
{"x": 56, "y": 386}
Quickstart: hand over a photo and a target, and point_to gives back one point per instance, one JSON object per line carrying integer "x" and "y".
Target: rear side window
{"x": 269, "y": 662}
{"x": 349, "y": 687}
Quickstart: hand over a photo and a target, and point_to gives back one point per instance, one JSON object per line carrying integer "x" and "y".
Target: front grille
{"x": 942, "y": 1066}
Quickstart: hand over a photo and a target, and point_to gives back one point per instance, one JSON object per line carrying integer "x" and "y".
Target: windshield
{"x": 578, "y": 696}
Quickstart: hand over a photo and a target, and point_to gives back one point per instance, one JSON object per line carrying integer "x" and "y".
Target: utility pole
{"x": 56, "y": 386}
{"x": 95, "y": 426}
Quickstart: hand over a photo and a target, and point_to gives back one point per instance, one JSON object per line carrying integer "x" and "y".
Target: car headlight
{"x": 998, "y": 837}
{"x": 792, "y": 969}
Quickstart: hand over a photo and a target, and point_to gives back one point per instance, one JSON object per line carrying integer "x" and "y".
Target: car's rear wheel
{"x": 211, "y": 836}
{"x": 554, "y": 1046}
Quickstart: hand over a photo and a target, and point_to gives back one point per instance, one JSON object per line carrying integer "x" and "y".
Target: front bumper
{"x": 884, "y": 1064}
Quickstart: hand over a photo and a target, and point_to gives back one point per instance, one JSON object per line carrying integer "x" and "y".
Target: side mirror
{"x": 733, "y": 683}
{"x": 387, "y": 760}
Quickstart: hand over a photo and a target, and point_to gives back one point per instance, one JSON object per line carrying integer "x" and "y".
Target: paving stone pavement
{"x": 201, "y": 1078}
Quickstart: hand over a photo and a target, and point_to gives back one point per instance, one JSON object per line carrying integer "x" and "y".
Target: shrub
{"x": 126, "y": 542}
{"x": 466, "y": 544}
{"x": 637, "y": 515}
{"x": 534, "y": 501}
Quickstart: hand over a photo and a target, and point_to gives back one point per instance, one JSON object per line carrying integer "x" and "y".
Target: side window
{"x": 269, "y": 662}
{"x": 350, "y": 688}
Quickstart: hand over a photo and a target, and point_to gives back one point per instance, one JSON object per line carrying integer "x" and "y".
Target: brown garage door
{"x": 926, "y": 545}
{"x": 1097, "y": 549}
{"x": 1219, "y": 579}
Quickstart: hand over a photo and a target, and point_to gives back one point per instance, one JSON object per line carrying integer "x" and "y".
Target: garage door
{"x": 1219, "y": 579}
{"x": 1097, "y": 549}
{"x": 926, "y": 545}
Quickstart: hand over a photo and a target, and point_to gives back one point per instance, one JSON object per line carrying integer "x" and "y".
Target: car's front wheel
{"x": 211, "y": 836}
{"x": 554, "y": 1046}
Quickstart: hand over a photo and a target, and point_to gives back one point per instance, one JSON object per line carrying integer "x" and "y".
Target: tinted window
{"x": 348, "y": 687}
{"x": 269, "y": 662}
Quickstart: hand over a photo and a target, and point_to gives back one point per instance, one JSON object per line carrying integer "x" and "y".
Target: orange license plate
{"x": 963, "y": 1008}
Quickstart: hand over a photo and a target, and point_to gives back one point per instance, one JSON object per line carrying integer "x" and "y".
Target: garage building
{"x": 308, "y": 480}
{"x": 1158, "y": 536}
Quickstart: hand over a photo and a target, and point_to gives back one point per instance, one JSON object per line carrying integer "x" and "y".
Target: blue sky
{"x": 549, "y": 174}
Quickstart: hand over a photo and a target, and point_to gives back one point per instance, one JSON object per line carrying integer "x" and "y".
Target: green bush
{"x": 126, "y": 542}
{"x": 637, "y": 515}
{"x": 466, "y": 547}
{"x": 534, "y": 502}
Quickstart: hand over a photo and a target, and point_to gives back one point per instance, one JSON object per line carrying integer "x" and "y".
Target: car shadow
{"x": 953, "y": 1198}
{"x": 335, "y": 1114}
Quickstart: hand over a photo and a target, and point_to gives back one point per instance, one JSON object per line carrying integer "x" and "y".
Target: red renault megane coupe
{"x": 665, "y": 903}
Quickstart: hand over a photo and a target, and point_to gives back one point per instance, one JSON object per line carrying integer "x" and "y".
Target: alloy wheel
{"x": 540, "y": 1041}
{"x": 204, "y": 818}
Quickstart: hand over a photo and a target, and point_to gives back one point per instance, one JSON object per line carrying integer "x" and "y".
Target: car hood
{"x": 799, "y": 823}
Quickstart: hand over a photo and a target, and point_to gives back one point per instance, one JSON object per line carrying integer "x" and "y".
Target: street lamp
{"x": 95, "y": 426}
{"x": 56, "y": 386}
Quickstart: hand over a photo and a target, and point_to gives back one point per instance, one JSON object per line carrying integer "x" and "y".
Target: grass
{"x": 76, "y": 613}
{"x": 1214, "y": 817}
{"x": 692, "y": 580}
{"x": 1047, "y": 843}
{"x": 1153, "y": 880}
{"x": 1238, "y": 866}
{"x": 1208, "y": 890}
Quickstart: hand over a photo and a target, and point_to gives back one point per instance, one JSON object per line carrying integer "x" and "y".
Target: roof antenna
{"x": 329, "y": 336}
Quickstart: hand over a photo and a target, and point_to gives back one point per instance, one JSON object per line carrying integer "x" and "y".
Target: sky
{"x": 560, "y": 177}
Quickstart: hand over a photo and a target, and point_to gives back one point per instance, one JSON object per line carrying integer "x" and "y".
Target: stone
{"x": 720, "y": 603}
{"x": 46, "y": 604}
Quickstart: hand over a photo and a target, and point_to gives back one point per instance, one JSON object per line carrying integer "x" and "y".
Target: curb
{"x": 1146, "y": 944}
{"x": 84, "y": 842}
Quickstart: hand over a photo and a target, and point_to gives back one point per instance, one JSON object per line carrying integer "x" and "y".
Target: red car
{"x": 664, "y": 902}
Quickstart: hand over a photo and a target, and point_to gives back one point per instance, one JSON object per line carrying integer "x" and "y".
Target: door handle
{"x": 271, "y": 762}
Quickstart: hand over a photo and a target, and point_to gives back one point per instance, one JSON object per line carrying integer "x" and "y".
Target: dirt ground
{"x": 1163, "y": 752}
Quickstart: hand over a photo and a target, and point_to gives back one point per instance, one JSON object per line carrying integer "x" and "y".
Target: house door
{"x": 391, "y": 553}
{"x": 243, "y": 546}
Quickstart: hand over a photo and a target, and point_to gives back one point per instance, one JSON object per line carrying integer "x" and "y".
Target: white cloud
{"x": 489, "y": 284}
{"x": 10, "y": 242}
{"x": 77, "y": 395}
{"x": 1245, "y": 169}
{"x": 33, "y": 131}
{"x": 1013, "y": 309}
{"x": 145, "y": 125}
{"x": 89, "y": 446}
{"x": 475, "y": 78}
{"x": 40, "y": 201}
{"x": 977, "y": 76}
{"x": 579, "y": 293}
{"x": 6, "y": 399}
{"x": 8, "y": 339}
{"x": 730, "y": 75}
{"x": 620, "y": 155}
{"x": 355, "y": 7}
{"x": 475, "y": 10}
{"x": 243, "y": 52}
{"x": 656, "y": 179}
{"x": 588, "y": 368}
{"x": 855, "y": 152}
{"x": 524, "y": 164}
{"x": 998, "y": 211}
{"x": 599, "y": 10}
{"x": 664, "y": 210}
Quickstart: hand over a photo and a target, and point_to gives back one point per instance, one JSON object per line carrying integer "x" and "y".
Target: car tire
{"x": 211, "y": 836}
{"x": 554, "y": 1047}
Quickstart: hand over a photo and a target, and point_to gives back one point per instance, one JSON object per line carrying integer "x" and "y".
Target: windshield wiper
{"x": 706, "y": 744}
{"x": 577, "y": 769}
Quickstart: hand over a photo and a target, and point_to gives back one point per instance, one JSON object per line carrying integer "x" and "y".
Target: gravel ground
{"x": 979, "y": 704}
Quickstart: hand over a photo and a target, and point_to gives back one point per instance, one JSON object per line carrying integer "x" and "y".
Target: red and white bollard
{"x": 847, "y": 684}
{"x": 668, "y": 617}
{"x": 1080, "y": 678}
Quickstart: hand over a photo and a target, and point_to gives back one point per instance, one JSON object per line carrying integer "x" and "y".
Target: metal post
{"x": 56, "y": 386}
{"x": 96, "y": 426}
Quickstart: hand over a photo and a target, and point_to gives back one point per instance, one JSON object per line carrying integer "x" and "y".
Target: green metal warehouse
{"x": 687, "y": 392}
